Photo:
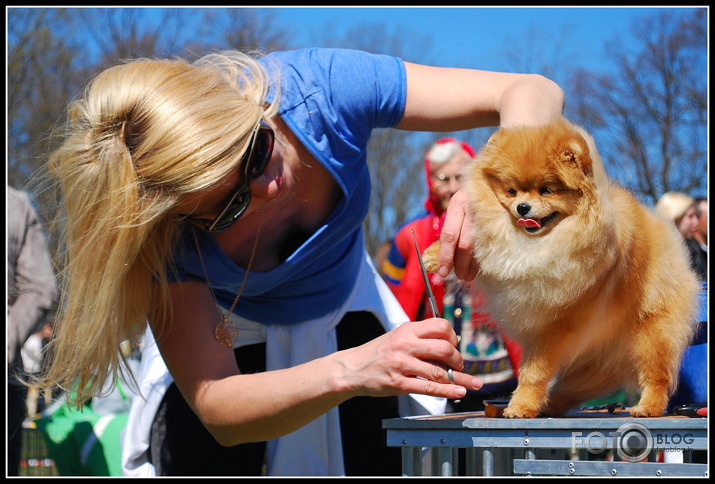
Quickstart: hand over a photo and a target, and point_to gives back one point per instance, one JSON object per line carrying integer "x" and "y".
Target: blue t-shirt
{"x": 331, "y": 99}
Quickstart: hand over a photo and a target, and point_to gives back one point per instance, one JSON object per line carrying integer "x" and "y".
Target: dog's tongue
{"x": 528, "y": 222}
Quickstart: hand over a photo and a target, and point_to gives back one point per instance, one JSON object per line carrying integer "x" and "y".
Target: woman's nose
{"x": 259, "y": 186}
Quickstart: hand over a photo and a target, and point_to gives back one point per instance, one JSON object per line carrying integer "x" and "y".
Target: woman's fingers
{"x": 434, "y": 379}
{"x": 456, "y": 241}
{"x": 469, "y": 382}
{"x": 436, "y": 359}
{"x": 434, "y": 328}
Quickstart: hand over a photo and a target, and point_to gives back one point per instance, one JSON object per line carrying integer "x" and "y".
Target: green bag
{"x": 82, "y": 442}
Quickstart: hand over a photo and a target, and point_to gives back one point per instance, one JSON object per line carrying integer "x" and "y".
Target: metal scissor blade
{"x": 428, "y": 286}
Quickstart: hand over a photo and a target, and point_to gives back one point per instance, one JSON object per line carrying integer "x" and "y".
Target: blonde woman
{"x": 222, "y": 202}
{"x": 678, "y": 208}
{"x": 682, "y": 210}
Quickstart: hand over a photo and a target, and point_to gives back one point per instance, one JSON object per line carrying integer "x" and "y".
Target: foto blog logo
{"x": 632, "y": 442}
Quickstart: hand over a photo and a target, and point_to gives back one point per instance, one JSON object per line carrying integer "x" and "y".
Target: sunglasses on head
{"x": 255, "y": 161}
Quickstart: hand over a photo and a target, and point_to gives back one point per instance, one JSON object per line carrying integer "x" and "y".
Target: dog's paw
{"x": 520, "y": 411}
{"x": 429, "y": 257}
{"x": 642, "y": 410}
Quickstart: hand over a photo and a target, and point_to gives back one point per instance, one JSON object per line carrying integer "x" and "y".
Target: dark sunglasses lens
{"x": 233, "y": 212}
{"x": 261, "y": 153}
{"x": 258, "y": 159}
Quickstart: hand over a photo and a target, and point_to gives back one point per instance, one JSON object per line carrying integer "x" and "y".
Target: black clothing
{"x": 698, "y": 258}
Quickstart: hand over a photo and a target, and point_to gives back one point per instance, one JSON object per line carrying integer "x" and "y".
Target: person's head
{"x": 701, "y": 211}
{"x": 46, "y": 330}
{"x": 146, "y": 135}
{"x": 678, "y": 208}
{"x": 444, "y": 163}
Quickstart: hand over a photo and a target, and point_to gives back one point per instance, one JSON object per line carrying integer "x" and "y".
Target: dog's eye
{"x": 545, "y": 191}
{"x": 511, "y": 192}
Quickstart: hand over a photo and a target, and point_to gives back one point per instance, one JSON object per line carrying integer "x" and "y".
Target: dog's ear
{"x": 574, "y": 152}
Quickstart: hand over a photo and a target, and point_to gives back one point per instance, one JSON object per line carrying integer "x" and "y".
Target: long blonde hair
{"x": 145, "y": 134}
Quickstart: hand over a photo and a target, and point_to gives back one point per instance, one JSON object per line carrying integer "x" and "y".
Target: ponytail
{"x": 144, "y": 135}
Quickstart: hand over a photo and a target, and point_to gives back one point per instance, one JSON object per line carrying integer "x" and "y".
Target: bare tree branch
{"x": 650, "y": 117}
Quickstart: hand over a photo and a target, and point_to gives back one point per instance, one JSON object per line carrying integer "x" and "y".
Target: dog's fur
{"x": 597, "y": 290}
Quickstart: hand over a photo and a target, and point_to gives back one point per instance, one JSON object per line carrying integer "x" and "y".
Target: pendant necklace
{"x": 226, "y": 331}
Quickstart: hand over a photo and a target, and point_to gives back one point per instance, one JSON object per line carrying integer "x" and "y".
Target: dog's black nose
{"x": 523, "y": 208}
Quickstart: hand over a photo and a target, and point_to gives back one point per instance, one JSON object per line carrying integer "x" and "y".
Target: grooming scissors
{"x": 428, "y": 286}
{"x": 430, "y": 297}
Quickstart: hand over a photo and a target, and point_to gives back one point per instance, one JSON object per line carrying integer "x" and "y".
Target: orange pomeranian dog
{"x": 594, "y": 286}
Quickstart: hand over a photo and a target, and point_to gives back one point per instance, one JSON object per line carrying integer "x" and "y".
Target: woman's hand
{"x": 413, "y": 358}
{"x": 456, "y": 240}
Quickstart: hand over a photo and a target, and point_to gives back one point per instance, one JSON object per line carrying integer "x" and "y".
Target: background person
{"x": 30, "y": 294}
{"x": 679, "y": 208}
{"x": 33, "y": 360}
{"x": 698, "y": 245}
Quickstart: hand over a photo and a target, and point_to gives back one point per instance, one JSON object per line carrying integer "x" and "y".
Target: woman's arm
{"x": 240, "y": 408}
{"x": 449, "y": 99}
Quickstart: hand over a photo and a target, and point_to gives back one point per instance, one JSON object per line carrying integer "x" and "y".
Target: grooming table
{"x": 548, "y": 446}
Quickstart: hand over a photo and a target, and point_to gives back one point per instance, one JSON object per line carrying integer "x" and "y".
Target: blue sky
{"x": 477, "y": 36}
